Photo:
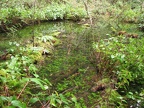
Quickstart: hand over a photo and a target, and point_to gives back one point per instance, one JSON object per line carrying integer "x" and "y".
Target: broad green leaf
{"x": 63, "y": 99}
{"x": 18, "y": 104}
{"x": 74, "y": 99}
{"x": 32, "y": 68}
{"x": 3, "y": 72}
{"x": 59, "y": 101}
{"x": 36, "y": 75}
{"x": 3, "y": 98}
{"x": 56, "y": 33}
{"x": 52, "y": 102}
{"x": 33, "y": 100}
{"x": 46, "y": 87}
{"x": 37, "y": 81}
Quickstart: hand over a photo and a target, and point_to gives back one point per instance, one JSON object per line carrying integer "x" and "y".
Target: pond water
{"x": 69, "y": 67}
{"x": 67, "y": 27}
{"x": 69, "y": 63}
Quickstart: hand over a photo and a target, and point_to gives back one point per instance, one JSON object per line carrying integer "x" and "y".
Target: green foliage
{"x": 15, "y": 76}
{"x": 56, "y": 100}
{"x": 53, "y": 11}
{"x": 117, "y": 58}
{"x": 125, "y": 58}
{"x": 130, "y": 15}
{"x": 12, "y": 101}
{"x": 26, "y": 72}
{"x": 121, "y": 49}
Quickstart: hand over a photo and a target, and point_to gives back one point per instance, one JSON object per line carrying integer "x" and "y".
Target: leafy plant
{"x": 115, "y": 58}
{"x": 16, "y": 76}
{"x": 131, "y": 15}
{"x": 56, "y": 100}
{"x": 53, "y": 11}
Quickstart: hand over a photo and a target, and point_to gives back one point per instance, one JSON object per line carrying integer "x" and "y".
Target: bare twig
{"x": 22, "y": 90}
{"x": 87, "y": 10}
{"x": 46, "y": 105}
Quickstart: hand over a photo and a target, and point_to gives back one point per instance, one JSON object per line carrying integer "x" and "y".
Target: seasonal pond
{"x": 66, "y": 60}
